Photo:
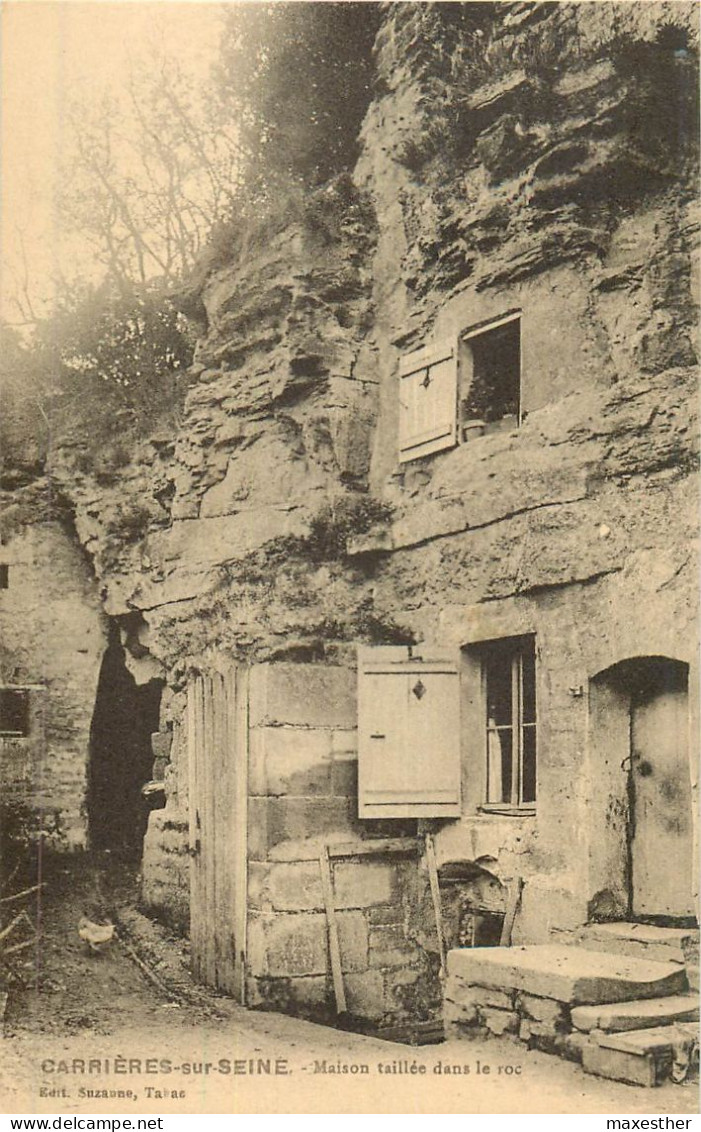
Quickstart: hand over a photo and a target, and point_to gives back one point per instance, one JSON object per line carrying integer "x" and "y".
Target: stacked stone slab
{"x": 644, "y": 1057}
{"x": 628, "y": 1018}
{"x": 647, "y": 941}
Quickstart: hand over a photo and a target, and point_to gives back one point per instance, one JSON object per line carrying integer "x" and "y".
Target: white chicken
{"x": 97, "y": 936}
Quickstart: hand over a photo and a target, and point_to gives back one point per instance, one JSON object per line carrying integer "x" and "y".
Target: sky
{"x": 51, "y": 51}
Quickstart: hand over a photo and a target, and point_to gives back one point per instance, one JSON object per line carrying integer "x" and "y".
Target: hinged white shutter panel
{"x": 427, "y": 401}
{"x": 408, "y": 734}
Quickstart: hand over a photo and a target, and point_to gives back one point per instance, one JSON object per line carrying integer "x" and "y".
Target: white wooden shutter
{"x": 428, "y": 390}
{"x": 408, "y": 733}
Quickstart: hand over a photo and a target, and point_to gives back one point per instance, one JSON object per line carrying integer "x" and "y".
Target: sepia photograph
{"x": 349, "y": 517}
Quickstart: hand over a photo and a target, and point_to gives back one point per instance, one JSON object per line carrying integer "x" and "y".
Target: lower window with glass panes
{"x": 509, "y": 696}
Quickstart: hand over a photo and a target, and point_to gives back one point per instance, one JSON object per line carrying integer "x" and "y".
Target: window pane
{"x": 14, "y": 711}
{"x": 498, "y": 671}
{"x": 510, "y": 720}
{"x": 528, "y": 663}
{"x": 528, "y": 769}
{"x": 499, "y": 755}
{"x": 496, "y": 368}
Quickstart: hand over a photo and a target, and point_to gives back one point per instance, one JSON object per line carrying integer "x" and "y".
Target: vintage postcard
{"x": 348, "y": 583}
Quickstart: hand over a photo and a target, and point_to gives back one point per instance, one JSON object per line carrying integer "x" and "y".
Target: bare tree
{"x": 148, "y": 174}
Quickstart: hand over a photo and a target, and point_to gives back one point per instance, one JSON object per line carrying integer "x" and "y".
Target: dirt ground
{"x": 100, "y": 1033}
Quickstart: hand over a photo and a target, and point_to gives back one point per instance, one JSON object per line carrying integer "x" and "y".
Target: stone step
{"x": 638, "y": 1015}
{"x": 573, "y": 975}
{"x": 642, "y": 1057}
{"x": 643, "y": 941}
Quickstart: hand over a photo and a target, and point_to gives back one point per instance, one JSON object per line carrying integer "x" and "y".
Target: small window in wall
{"x": 4, "y": 576}
{"x": 491, "y": 373}
{"x": 508, "y": 672}
{"x": 428, "y": 385}
{"x": 14, "y": 712}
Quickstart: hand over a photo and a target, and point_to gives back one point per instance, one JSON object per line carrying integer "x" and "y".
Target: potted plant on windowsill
{"x": 473, "y": 422}
{"x": 473, "y": 428}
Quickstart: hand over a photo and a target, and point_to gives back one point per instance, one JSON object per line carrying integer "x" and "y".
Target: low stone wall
{"x": 542, "y": 1023}
{"x": 165, "y": 869}
{"x": 165, "y": 890}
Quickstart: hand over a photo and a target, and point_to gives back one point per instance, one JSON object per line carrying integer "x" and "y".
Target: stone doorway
{"x": 474, "y": 904}
{"x": 639, "y": 731}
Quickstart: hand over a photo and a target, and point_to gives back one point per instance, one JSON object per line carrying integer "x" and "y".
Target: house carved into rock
{"x": 406, "y": 642}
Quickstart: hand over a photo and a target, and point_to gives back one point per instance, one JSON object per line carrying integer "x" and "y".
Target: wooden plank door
{"x": 661, "y": 841}
{"x": 217, "y": 723}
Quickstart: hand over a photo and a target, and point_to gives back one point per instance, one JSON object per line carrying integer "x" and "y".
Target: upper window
{"x": 454, "y": 390}
{"x": 508, "y": 668}
{"x": 14, "y": 712}
{"x": 491, "y": 377}
{"x": 4, "y": 576}
{"x": 428, "y": 401}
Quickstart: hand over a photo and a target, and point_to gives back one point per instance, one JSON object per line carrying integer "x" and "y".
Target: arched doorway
{"x": 639, "y": 714}
{"x": 121, "y": 757}
{"x": 473, "y": 902}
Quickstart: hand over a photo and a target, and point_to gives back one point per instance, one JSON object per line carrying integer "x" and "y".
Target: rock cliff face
{"x": 275, "y": 430}
{"x": 513, "y": 157}
{"x": 521, "y": 157}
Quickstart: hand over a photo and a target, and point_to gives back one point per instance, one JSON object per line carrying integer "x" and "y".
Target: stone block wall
{"x": 52, "y": 638}
{"x": 303, "y": 796}
{"x": 165, "y": 889}
{"x": 537, "y": 1021}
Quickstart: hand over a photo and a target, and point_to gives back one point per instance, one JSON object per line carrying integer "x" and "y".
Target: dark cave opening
{"x": 121, "y": 758}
